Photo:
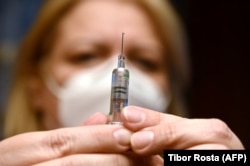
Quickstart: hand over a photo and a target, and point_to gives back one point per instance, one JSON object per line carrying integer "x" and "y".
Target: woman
{"x": 69, "y": 54}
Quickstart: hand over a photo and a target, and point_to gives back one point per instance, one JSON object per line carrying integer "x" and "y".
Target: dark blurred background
{"x": 219, "y": 40}
{"x": 219, "y": 48}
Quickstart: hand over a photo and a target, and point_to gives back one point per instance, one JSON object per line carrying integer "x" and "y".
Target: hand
{"x": 156, "y": 131}
{"x": 153, "y": 160}
{"x": 125, "y": 159}
{"x": 63, "y": 145}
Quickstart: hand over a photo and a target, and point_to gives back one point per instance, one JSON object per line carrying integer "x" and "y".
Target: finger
{"x": 183, "y": 135}
{"x": 31, "y": 148}
{"x": 95, "y": 119}
{"x": 90, "y": 160}
{"x": 137, "y": 118}
{"x": 208, "y": 147}
{"x": 105, "y": 160}
{"x": 148, "y": 160}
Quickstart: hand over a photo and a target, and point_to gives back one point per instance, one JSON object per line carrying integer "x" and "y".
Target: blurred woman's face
{"x": 91, "y": 33}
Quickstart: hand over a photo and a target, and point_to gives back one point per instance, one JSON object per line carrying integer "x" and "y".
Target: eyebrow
{"x": 101, "y": 44}
{"x": 83, "y": 41}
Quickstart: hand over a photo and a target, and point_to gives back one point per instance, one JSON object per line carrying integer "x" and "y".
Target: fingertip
{"x": 133, "y": 114}
{"x": 95, "y": 119}
{"x": 141, "y": 140}
{"x": 123, "y": 136}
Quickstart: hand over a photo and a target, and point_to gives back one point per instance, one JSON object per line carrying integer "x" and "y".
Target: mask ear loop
{"x": 52, "y": 85}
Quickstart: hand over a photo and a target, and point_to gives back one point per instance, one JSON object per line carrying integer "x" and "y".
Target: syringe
{"x": 119, "y": 89}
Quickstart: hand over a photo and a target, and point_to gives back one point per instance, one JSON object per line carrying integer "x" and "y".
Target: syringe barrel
{"x": 119, "y": 94}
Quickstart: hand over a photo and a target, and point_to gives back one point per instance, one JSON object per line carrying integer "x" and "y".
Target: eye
{"x": 83, "y": 58}
{"x": 145, "y": 58}
{"x": 146, "y": 64}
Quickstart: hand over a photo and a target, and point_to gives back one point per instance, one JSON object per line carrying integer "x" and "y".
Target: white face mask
{"x": 89, "y": 91}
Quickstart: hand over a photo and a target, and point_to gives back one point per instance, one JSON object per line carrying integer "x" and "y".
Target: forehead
{"x": 107, "y": 19}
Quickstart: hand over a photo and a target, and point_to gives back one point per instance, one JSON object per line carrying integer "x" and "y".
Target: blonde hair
{"x": 19, "y": 114}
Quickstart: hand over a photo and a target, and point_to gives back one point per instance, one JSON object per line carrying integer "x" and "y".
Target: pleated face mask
{"x": 88, "y": 92}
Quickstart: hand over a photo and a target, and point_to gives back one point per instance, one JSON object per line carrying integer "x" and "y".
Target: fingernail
{"x": 122, "y": 136}
{"x": 133, "y": 115}
{"x": 142, "y": 139}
